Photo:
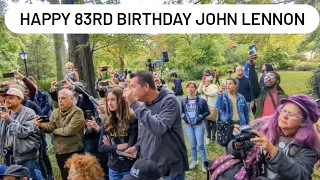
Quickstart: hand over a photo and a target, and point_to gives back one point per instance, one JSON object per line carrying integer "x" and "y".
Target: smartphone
{"x": 8, "y": 75}
{"x": 89, "y": 114}
{"x": 253, "y": 49}
{"x": 2, "y": 108}
{"x": 125, "y": 154}
{"x": 3, "y": 85}
{"x": 104, "y": 68}
{"x": 59, "y": 84}
{"x": 44, "y": 119}
{"x": 224, "y": 82}
{"x": 106, "y": 83}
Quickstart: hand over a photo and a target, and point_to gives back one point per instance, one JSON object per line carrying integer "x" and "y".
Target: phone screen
{"x": 8, "y": 75}
{"x": 44, "y": 119}
{"x": 89, "y": 115}
{"x": 104, "y": 69}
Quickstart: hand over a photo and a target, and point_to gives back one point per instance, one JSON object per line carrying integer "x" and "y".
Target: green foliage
{"x": 10, "y": 46}
{"x": 223, "y": 70}
{"x": 45, "y": 84}
{"x": 237, "y": 54}
{"x": 41, "y": 61}
{"x": 274, "y": 55}
{"x": 306, "y": 66}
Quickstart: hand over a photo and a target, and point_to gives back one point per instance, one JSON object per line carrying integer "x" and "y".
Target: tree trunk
{"x": 121, "y": 65}
{"x": 60, "y": 53}
{"x": 82, "y": 57}
{"x": 59, "y": 50}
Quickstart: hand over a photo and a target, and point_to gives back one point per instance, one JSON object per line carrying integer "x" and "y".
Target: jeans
{"x": 114, "y": 175}
{"x": 249, "y": 109}
{"x": 181, "y": 177}
{"x": 32, "y": 165}
{"x": 195, "y": 135}
{"x": 211, "y": 127}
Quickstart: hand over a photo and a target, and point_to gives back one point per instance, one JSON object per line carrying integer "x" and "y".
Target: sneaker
{"x": 193, "y": 164}
{"x": 207, "y": 141}
{"x": 203, "y": 168}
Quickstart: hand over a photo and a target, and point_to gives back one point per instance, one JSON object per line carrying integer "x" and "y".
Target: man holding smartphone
{"x": 67, "y": 125}
{"x": 21, "y": 137}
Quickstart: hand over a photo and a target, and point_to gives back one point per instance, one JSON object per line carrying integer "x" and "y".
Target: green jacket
{"x": 260, "y": 93}
{"x": 67, "y": 128}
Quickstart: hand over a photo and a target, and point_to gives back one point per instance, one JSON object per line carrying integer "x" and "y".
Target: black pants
{"x": 103, "y": 160}
{"x": 217, "y": 81}
{"x": 61, "y": 160}
{"x": 211, "y": 127}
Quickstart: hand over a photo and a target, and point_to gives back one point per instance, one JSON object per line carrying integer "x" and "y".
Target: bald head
{"x": 239, "y": 71}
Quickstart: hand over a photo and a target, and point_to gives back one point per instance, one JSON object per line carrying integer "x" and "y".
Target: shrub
{"x": 223, "y": 70}
{"x": 306, "y": 66}
{"x": 45, "y": 84}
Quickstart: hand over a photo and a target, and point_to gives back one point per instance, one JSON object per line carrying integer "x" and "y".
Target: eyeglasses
{"x": 290, "y": 115}
{"x": 269, "y": 77}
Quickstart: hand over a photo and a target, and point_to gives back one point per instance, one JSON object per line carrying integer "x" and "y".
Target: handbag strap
{"x": 273, "y": 102}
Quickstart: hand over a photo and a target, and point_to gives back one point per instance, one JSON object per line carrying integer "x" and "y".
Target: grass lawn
{"x": 292, "y": 82}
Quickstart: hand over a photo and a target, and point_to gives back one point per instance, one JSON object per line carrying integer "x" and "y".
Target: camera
{"x": 2, "y": 108}
{"x": 44, "y": 119}
{"x": 150, "y": 65}
{"x": 244, "y": 135}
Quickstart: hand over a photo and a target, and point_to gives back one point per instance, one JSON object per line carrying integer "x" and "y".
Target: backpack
{"x": 217, "y": 75}
{"x": 250, "y": 166}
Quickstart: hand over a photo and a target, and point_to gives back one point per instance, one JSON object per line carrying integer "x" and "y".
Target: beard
{"x": 271, "y": 86}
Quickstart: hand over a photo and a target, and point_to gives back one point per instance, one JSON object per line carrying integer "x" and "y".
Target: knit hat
{"x": 307, "y": 105}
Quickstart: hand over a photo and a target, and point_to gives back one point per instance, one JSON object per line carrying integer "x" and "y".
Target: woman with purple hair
{"x": 288, "y": 139}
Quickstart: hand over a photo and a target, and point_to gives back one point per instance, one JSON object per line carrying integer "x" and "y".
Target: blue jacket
{"x": 224, "y": 105}
{"x": 202, "y": 110}
{"x": 246, "y": 69}
{"x": 177, "y": 89}
{"x": 43, "y": 100}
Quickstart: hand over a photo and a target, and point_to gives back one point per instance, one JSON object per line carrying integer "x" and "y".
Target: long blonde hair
{"x": 124, "y": 114}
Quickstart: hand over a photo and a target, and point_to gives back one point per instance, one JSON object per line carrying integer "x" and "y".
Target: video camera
{"x": 245, "y": 134}
{"x": 150, "y": 65}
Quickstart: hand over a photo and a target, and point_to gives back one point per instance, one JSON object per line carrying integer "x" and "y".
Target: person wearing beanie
{"x": 288, "y": 138}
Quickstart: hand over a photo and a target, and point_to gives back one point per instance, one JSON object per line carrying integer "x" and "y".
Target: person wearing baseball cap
{"x": 22, "y": 138}
{"x": 15, "y": 171}
{"x": 144, "y": 169}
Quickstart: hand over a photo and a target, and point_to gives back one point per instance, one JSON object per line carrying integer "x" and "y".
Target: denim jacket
{"x": 224, "y": 105}
{"x": 202, "y": 110}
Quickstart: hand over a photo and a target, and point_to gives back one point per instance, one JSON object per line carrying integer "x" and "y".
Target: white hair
{"x": 241, "y": 67}
{"x": 66, "y": 92}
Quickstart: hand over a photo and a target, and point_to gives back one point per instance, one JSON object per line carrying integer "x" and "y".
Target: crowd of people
{"x": 135, "y": 129}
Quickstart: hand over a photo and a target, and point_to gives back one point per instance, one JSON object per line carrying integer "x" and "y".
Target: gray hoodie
{"x": 26, "y": 137}
{"x": 160, "y": 134}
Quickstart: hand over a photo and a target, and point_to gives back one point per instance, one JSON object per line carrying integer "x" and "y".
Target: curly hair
{"x": 124, "y": 114}
{"x": 86, "y": 165}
